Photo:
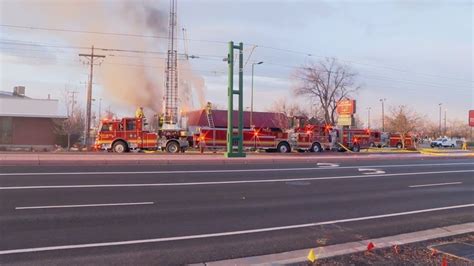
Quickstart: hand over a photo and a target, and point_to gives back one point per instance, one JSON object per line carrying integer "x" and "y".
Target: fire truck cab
{"x": 356, "y": 139}
{"x": 123, "y": 135}
{"x": 313, "y": 138}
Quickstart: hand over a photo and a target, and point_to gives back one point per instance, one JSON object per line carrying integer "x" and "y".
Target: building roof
{"x": 35, "y": 116}
{"x": 260, "y": 119}
{"x": 7, "y": 94}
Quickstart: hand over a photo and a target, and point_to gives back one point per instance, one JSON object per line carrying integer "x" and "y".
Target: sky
{"x": 414, "y": 53}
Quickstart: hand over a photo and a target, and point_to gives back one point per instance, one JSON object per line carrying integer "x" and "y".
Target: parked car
{"x": 444, "y": 142}
{"x": 436, "y": 143}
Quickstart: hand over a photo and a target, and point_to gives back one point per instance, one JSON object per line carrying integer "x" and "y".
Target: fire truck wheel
{"x": 372, "y": 145}
{"x": 119, "y": 147}
{"x": 172, "y": 147}
{"x": 316, "y": 147}
{"x": 399, "y": 145}
{"x": 284, "y": 147}
{"x": 356, "y": 148}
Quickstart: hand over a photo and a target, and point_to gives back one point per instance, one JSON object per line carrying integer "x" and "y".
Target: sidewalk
{"x": 335, "y": 253}
{"x": 102, "y": 158}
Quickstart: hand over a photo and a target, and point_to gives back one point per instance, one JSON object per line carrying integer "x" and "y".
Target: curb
{"x": 111, "y": 160}
{"x": 300, "y": 256}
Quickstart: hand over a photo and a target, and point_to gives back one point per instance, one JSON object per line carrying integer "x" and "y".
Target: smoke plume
{"x": 129, "y": 78}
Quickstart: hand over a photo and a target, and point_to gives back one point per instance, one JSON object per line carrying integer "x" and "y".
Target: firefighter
{"x": 464, "y": 145}
{"x": 333, "y": 138}
{"x": 139, "y": 113}
{"x": 209, "y": 108}
{"x": 202, "y": 144}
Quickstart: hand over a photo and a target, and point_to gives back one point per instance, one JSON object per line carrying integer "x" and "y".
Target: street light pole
{"x": 368, "y": 117}
{"x": 440, "y": 104}
{"x": 383, "y": 114}
{"x": 251, "y": 94}
{"x": 445, "y": 128}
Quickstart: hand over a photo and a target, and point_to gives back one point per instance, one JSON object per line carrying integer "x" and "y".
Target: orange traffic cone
{"x": 370, "y": 246}
{"x": 444, "y": 262}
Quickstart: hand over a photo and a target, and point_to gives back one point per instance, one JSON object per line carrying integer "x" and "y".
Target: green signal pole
{"x": 231, "y": 138}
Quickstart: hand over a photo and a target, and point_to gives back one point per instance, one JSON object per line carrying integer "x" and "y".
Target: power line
{"x": 415, "y": 82}
{"x": 107, "y": 33}
{"x": 303, "y": 53}
{"x": 203, "y": 57}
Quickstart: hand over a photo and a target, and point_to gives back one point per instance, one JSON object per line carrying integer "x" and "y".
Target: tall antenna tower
{"x": 171, "y": 72}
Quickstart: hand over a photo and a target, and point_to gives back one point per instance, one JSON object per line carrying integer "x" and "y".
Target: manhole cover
{"x": 455, "y": 249}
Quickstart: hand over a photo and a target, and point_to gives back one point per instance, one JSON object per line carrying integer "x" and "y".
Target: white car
{"x": 436, "y": 143}
{"x": 444, "y": 142}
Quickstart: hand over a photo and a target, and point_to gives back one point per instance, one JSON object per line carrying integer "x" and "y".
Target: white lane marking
{"x": 437, "y": 184}
{"x": 228, "y": 171}
{"x": 229, "y": 182}
{"x": 370, "y": 171}
{"x": 328, "y": 165}
{"x": 230, "y": 233}
{"x": 84, "y": 205}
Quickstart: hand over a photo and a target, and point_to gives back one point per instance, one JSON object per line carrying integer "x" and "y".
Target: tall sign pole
{"x": 231, "y": 138}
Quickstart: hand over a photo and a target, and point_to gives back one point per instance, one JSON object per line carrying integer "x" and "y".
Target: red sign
{"x": 471, "y": 118}
{"x": 346, "y": 107}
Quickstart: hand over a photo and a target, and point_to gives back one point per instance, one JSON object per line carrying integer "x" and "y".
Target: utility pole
{"x": 91, "y": 58}
{"x": 100, "y": 109}
{"x": 383, "y": 114}
{"x": 69, "y": 116}
{"x": 439, "y": 129}
{"x": 73, "y": 101}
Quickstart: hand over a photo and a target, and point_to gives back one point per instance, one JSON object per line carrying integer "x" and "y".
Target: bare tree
{"x": 73, "y": 127}
{"x": 283, "y": 105}
{"x": 402, "y": 120}
{"x": 289, "y": 109}
{"x": 326, "y": 83}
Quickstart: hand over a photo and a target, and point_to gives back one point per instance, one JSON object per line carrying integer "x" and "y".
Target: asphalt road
{"x": 167, "y": 215}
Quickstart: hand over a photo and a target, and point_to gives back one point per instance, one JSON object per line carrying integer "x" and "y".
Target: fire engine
{"x": 123, "y": 135}
{"x": 356, "y": 139}
{"x": 313, "y": 138}
{"x": 395, "y": 140}
{"x": 267, "y": 139}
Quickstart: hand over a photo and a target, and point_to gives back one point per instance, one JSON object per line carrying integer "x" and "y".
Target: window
{"x": 106, "y": 127}
{"x": 131, "y": 125}
{"x": 6, "y": 130}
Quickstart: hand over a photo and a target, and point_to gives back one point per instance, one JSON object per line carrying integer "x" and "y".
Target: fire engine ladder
{"x": 210, "y": 120}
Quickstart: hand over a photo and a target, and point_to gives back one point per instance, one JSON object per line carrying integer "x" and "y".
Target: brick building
{"x": 26, "y": 122}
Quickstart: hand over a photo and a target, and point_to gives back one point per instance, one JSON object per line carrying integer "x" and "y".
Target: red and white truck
{"x": 313, "y": 138}
{"x": 268, "y": 139}
{"x": 123, "y": 135}
{"x": 130, "y": 133}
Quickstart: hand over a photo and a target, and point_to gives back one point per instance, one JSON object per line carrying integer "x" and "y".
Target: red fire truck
{"x": 395, "y": 140}
{"x": 267, "y": 139}
{"x": 123, "y": 135}
{"x": 356, "y": 139}
{"x": 313, "y": 138}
